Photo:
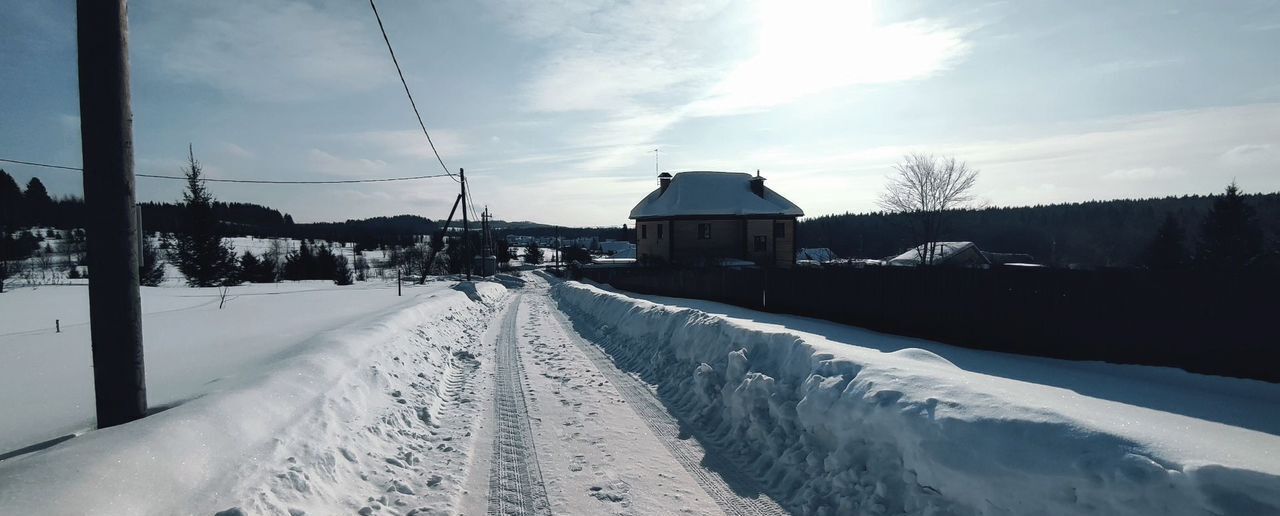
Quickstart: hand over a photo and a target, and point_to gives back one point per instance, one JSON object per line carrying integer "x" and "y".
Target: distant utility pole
{"x": 106, "y": 136}
{"x": 655, "y": 161}
{"x": 485, "y": 249}
{"x": 466, "y": 237}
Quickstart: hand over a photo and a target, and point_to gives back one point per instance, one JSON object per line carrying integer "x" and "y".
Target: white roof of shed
{"x": 943, "y": 252}
{"x": 713, "y": 193}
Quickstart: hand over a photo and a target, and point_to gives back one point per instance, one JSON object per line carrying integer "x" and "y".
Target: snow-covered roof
{"x": 817, "y": 254}
{"x": 614, "y": 246}
{"x": 941, "y": 253}
{"x": 712, "y": 193}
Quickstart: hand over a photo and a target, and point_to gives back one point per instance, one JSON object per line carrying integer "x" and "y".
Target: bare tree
{"x": 925, "y": 188}
{"x": 44, "y": 260}
{"x": 223, "y": 290}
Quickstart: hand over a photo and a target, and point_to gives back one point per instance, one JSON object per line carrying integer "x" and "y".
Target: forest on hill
{"x": 1093, "y": 233}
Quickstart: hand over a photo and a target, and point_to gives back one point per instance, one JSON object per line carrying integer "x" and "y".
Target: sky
{"x": 555, "y": 108}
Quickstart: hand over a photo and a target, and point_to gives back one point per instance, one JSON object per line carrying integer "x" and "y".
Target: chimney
{"x": 664, "y": 180}
{"x": 757, "y": 185}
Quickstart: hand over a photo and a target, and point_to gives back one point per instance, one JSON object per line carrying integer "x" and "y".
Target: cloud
{"x": 1125, "y": 65}
{"x": 268, "y": 51}
{"x": 632, "y": 71}
{"x": 1144, "y": 173}
{"x": 1252, "y": 153}
{"x": 237, "y": 151}
{"x": 806, "y": 48}
{"x": 411, "y": 142}
{"x": 330, "y": 164}
{"x": 1152, "y": 154}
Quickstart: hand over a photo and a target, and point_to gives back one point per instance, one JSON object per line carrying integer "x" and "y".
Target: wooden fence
{"x": 1215, "y": 323}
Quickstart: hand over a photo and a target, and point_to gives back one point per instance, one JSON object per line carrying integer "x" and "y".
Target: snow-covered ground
{"x": 525, "y": 395}
{"x": 302, "y": 399}
{"x": 46, "y": 379}
{"x": 839, "y": 420}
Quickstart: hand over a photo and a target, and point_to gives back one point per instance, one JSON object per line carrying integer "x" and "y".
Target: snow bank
{"x": 832, "y": 428}
{"x": 46, "y": 378}
{"x": 487, "y": 292}
{"x": 191, "y": 456}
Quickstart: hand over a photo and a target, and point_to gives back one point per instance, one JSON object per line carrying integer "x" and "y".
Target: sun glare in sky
{"x": 805, "y": 48}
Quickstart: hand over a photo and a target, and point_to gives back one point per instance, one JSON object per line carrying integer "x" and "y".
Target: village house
{"x": 960, "y": 254}
{"x": 702, "y": 218}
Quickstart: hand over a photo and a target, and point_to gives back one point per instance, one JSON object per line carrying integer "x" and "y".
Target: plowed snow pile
{"x": 834, "y": 428}
{"x": 369, "y": 415}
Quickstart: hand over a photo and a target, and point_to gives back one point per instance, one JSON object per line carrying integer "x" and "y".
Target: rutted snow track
{"x": 690, "y": 454}
{"x": 515, "y": 480}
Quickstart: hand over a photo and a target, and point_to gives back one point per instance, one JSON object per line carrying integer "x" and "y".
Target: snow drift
{"x": 198, "y": 456}
{"x": 832, "y": 428}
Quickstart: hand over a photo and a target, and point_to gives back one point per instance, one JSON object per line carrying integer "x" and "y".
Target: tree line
{"x": 1116, "y": 233}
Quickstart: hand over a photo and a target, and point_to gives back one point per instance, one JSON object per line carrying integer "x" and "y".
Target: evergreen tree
{"x": 324, "y": 265}
{"x": 362, "y": 268}
{"x": 37, "y": 202}
{"x": 250, "y": 267}
{"x": 533, "y": 253}
{"x": 1230, "y": 233}
{"x": 200, "y": 253}
{"x": 10, "y": 203}
{"x": 296, "y": 264}
{"x": 1167, "y": 250}
{"x": 341, "y": 271}
{"x": 502, "y": 251}
{"x": 4, "y": 264}
{"x": 151, "y": 269}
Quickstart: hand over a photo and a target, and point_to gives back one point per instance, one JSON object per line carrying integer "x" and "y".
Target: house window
{"x": 779, "y": 230}
{"x": 704, "y": 231}
{"x": 660, "y": 231}
{"x": 761, "y": 244}
{"x": 644, "y": 232}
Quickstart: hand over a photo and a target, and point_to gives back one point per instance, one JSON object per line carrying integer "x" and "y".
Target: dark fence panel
{"x": 1215, "y": 323}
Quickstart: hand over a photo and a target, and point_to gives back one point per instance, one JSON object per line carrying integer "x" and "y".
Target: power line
{"x": 406, "y": 90}
{"x": 46, "y": 165}
{"x": 243, "y": 181}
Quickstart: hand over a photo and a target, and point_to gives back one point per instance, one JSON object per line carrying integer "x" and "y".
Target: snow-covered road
{"x": 571, "y": 434}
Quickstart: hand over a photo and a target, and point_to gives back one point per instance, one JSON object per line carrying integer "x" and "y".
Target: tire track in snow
{"x": 688, "y": 452}
{"x": 515, "y": 480}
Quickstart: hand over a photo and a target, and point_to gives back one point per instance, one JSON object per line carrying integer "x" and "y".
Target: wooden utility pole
{"x": 106, "y": 136}
{"x": 466, "y": 235}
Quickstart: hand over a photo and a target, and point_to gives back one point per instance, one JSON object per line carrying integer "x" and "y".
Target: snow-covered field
{"x": 837, "y": 420}
{"x": 290, "y": 390}
{"x": 46, "y": 383}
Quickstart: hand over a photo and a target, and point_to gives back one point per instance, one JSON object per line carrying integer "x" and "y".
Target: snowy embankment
{"x": 46, "y": 376}
{"x": 836, "y": 428}
{"x": 294, "y": 430}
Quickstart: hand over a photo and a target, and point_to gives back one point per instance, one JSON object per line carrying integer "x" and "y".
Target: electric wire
{"x": 407, "y": 93}
{"x": 241, "y": 181}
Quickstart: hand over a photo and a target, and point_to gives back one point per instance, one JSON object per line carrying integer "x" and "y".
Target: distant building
{"x": 1009, "y": 258}
{"x": 945, "y": 254}
{"x": 815, "y": 254}
{"x": 715, "y": 217}
{"x": 961, "y": 254}
{"x": 615, "y": 247}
